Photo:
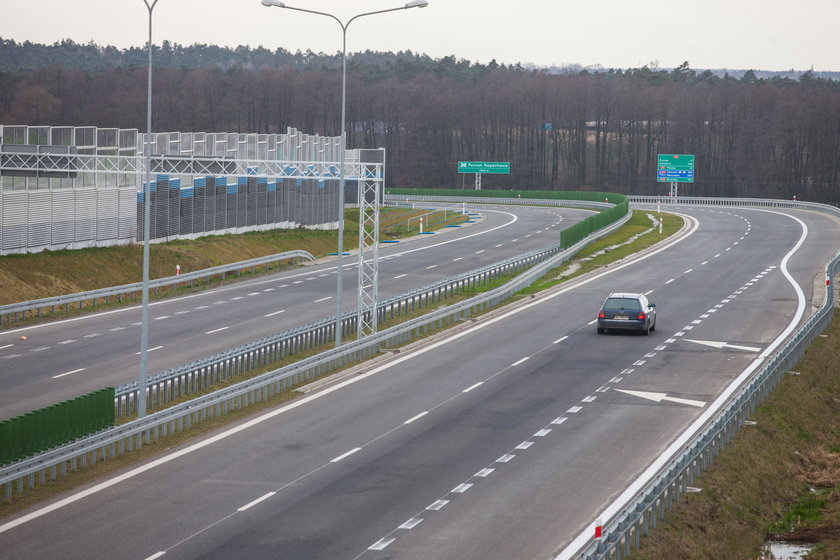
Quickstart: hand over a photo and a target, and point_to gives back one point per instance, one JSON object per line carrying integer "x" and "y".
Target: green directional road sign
{"x": 483, "y": 167}
{"x": 675, "y": 168}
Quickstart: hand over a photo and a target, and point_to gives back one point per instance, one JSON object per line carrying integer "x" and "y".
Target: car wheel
{"x": 647, "y": 330}
{"x": 653, "y": 326}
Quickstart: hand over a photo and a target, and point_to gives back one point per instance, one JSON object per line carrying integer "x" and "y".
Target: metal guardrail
{"x": 196, "y": 376}
{"x": 13, "y": 310}
{"x": 135, "y": 434}
{"x": 641, "y": 513}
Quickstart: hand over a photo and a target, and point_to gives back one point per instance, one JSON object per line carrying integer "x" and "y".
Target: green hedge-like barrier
{"x": 568, "y": 236}
{"x": 591, "y": 196}
{"x": 42, "y": 429}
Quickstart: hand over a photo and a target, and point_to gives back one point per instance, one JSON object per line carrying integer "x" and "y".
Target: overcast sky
{"x": 734, "y": 34}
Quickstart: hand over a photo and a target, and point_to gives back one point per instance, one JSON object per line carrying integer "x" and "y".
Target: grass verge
{"x": 780, "y": 477}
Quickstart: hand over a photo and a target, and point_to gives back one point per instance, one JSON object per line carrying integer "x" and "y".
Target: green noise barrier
{"x": 54, "y": 425}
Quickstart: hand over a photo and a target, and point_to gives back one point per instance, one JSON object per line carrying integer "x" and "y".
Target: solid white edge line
{"x": 338, "y": 386}
{"x": 255, "y": 502}
{"x": 619, "y": 503}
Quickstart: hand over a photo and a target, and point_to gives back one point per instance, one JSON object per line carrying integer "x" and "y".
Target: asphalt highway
{"x": 503, "y": 440}
{"x": 64, "y": 359}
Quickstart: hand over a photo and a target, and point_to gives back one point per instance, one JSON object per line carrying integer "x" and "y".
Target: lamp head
{"x": 415, "y": 4}
{"x": 273, "y": 3}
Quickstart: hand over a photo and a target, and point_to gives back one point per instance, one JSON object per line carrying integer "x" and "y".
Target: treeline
{"x": 752, "y": 137}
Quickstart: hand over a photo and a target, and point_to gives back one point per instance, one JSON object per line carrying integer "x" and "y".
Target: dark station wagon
{"x": 627, "y": 311}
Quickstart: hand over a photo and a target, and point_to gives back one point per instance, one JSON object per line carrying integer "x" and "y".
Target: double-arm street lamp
{"x": 344, "y": 26}
{"x": 140, "y": 405}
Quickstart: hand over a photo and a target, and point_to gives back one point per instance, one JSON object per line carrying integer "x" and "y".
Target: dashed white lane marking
{"x": 268, "y": 290}
{"x": 179, "y": 313}
{"x": 499, "y": 245}
{"x": 298, "y": 282}
{"x": 484, "y": 473}
{"x": 473, "y": 386}
{"x": 275, "y": 313}
{"x": 542, "y": 433}
{"x": 162, "y": 317}
{"x": 323, "y": 299}
{"x": 70, "y": 341}
{"x": 6, "y": 346}
{"x": 479, "y": 252}
{"x": 461, "y": 488}
{"x": 156, "y": 555}
{"x": 68, "y": 373}
{"x": 381, "y": 544}
{"x": 431, "y": 266}
{"x": 217, "y": 330}
{"x": 589, "y": 399}
{"x": 516, "y": 363}
{"x": 345, "y": 455}
{"x": 505, "y": 458}
{"x": 397, "y": 277}
{"x": 255, "y": 502}
{"x": 411, "y": 523}
{"x": 671, "y": 280}
{"x": 91, "y": 335}
{"x": 41, "y": 349}
{"x": 253, "y": 294}
{"x": 437, "y": 505}
{"x": 237, "y": 298}
{"x": 417, "y": 417}
{"x": 525, "y": 445}
{"x": 574, "y": 410}
{"x": 558, "y": 421}
{"x": 199, "y": 307}
{"x": 458, "y": 259}
{"x": 151, "y": 349}
{"x": 561, "y": 339}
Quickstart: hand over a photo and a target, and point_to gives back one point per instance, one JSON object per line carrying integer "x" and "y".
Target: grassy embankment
{"x": 53, "y": 273}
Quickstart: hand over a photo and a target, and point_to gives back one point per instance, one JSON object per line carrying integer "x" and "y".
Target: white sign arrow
{"x": 659, "y": 397}
{"x": 721, "y": 345}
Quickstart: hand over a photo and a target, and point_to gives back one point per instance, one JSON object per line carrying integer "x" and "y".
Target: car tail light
{"x": 601, "y": 314}
{"x": 642, "y": 316}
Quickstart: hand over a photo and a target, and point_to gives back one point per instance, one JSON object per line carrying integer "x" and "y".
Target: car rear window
{"x": 623, "y": 303}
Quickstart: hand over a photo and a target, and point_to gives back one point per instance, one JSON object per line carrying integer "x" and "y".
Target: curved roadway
{"x": 68, "y": 358}
{"x": 502, "y": 441}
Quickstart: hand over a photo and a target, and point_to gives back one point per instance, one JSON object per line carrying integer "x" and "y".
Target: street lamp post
{"x": 341, "y": 182}
{"x": 147, "y": 195}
